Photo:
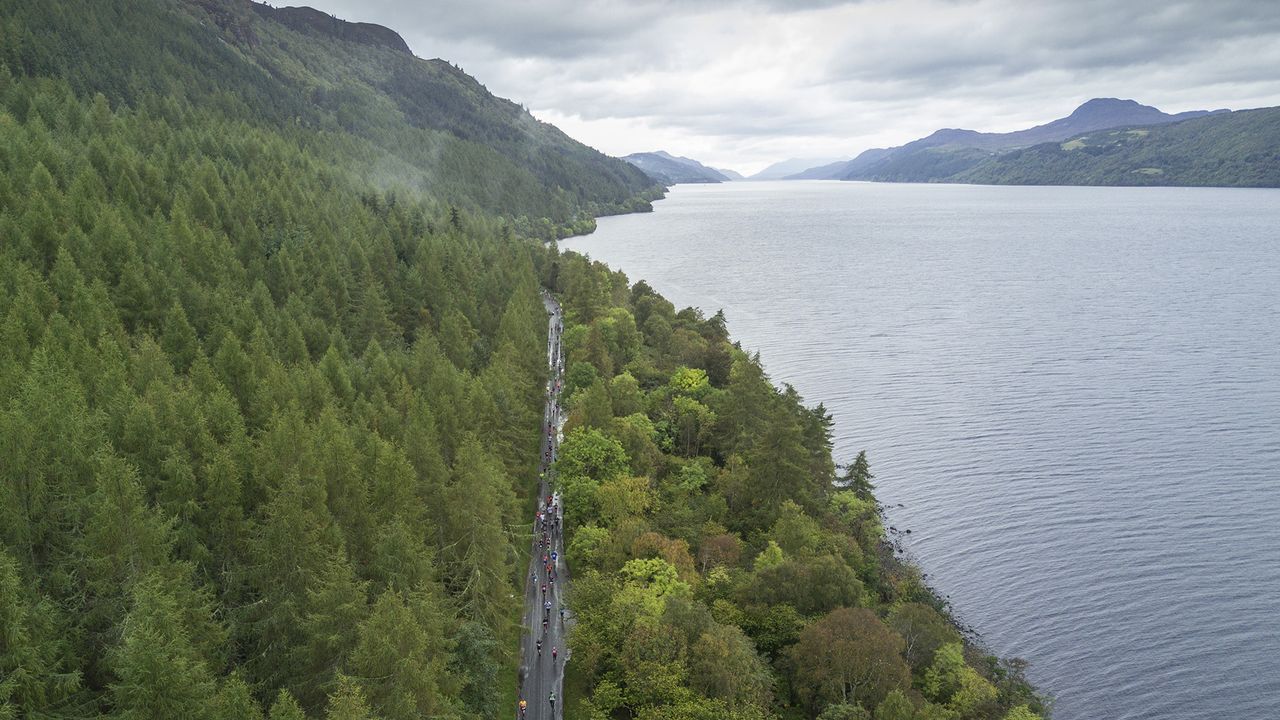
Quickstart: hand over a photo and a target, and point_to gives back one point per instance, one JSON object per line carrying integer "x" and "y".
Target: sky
{"x": 740, "y": 84}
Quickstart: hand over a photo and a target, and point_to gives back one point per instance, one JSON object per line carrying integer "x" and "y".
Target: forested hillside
{"x": 723, "y": 566}
{"x": 946, "y": 153}
{"x": 419, "y": 124}
{"x": 1239, "y": 149}
{"x": 670, "y": 170}
{"x": 258, "y": 419}
{"x": 270, "y": 368}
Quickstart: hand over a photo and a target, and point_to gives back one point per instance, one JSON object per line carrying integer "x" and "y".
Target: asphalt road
{"x": 540, "y": 673}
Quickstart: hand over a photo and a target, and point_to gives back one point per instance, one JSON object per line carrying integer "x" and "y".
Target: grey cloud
{"x": 548, "y": 28}
{"x": 1008, "y": 39}
{"x": 828, "y": 76}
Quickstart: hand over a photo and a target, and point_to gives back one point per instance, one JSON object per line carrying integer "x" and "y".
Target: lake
{"x": 1071, "y": 396}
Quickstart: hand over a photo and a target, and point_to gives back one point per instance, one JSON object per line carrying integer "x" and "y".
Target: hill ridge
{"x": 305, "y": 18}
{"x": 910, "y": 162}
{"x": 670, "y": 169}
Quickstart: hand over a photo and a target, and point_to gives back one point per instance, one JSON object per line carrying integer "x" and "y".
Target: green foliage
{"x": 895, "y": 706}
{"x": 626, "y": 396}
{"x": 924, "y": 630}
{"x": 348, "y": 702}
{"x": 592, "y": 407}
{"x": 399, "y": 659}
{"x": 234, "y": 701}
{"x": 588, "y": 547}
{"x": 285, "y": 708}
{"x": 722, "y": 570}
{"x": 271, "y": 368}
{"x": 690, "y": 381}
{"x": 724, "y": 664}
{"x": 31, "y": 664}
{"x": 242, "y": 378}
{"x": 580, "y": 375}
{"x": 473, "y": 661}
{"x": 159, "y": 672}
{"x": 844, "y": 711}
{"x": 425, "y": 125}
{"x": 951, "y": 681}
{"x": 858, "y": 476}
{"x": 770, "y": 557}
{"x": 849, "y": 656}
{"x": 587, "y": 458}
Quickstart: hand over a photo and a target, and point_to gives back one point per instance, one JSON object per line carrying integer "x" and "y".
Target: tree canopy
{"x": 721, "y": 567}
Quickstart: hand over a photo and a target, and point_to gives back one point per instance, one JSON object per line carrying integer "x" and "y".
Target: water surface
{"x": 1073, "y": 393}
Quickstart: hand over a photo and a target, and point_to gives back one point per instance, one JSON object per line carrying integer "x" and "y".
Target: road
{"x": 540, "y": 673}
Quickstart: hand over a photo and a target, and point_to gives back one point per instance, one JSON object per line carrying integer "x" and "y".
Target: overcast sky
{"x": 741, "y": 84}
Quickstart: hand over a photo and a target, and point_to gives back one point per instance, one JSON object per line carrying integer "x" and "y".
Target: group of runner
{"x": 547, "y": 536}
{"x": 548, "y": 521}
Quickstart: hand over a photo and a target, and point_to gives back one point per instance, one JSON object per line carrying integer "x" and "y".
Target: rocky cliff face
{"x": 236, "y": 18}
{"x": 310, "y": 20}
{"x": 233, "y": 16}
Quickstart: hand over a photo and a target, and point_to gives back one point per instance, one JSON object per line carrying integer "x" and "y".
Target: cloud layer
{"x": 741, "y": 83}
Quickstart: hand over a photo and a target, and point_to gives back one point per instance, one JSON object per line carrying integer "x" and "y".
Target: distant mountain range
{"x": 1105, "y": 141}
{"x": 953, "y": 155}
{"x": 668, "y": 169}
{"x": 1235, "y": 149}
{"x": 781, "y": 170}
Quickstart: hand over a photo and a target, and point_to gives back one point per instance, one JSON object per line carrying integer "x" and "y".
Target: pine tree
{"x": 857, "y": 476}
{"x": 474, "y": 660}
{"x": 348, "y": 702}
{"x": 478, "y": 565}
{"x": 234, "y": 701}
{"x": 235, "y": 370}
{"x": 179, "y": 338}
{"x": 100, "y": 116}
{"x": 372, "y": 317}
{"x": 34, "y": 680}
{"x": 159, "y": 673}
{"x": 123, "y": 541}
{"x": 777, "y": 464}
{"x": 334, "y": 607}
{"x": 457, "y": 339}
{"x": 285, "y": 708}
{"x": 291, "y": 544}
{"x": 399, "y": 659}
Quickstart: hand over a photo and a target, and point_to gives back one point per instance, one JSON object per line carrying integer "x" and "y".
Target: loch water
{"x": 1070, "y": 396}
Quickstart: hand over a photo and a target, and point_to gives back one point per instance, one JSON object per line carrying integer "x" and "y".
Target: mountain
{"x": 1240, "y": 149}
{"x": 1096, "y": 114}
{"x": 950, "y": 151}
{"x": 731, "y": 174}
{"x": 313, "y": 22}
{"x": 422, "y": 119}
{"x": 838, "y": 169}
{"x": 669, "y": 169}
{"x": 781, "y": 170}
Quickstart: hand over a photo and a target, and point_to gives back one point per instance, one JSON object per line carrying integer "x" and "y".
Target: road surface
{"x": 540, "y": 673}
